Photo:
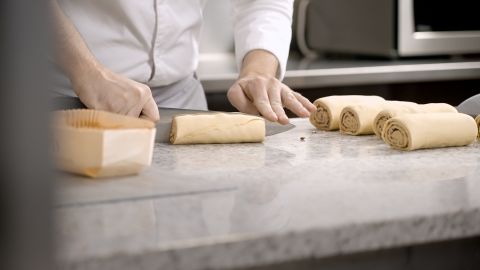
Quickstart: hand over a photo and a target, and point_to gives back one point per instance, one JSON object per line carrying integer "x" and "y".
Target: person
{"x": 129, "y": 56}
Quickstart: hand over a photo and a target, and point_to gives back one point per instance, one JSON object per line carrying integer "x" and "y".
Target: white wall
{"x": 217, "y": 33}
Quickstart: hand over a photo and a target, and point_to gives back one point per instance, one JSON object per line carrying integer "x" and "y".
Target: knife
{"x": 166, "y": 116}
{"x": 470, "y": 106}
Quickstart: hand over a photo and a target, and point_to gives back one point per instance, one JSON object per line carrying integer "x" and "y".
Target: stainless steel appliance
{"x": 388, "y": 27}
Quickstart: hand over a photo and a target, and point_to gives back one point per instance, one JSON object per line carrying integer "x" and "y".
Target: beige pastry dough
{"x": 217, "y": 128}
{"x": 359, "y": 119}
{"x": 327, "y": 115}
{"x": 429, "y": 130}
{"x": 394, "y": 109}
{"x": 478, "y": 124}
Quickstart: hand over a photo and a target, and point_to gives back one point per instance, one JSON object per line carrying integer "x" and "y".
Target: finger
{"x": 275, "y": 97}
{"x": 150, "y": 110}
{"x": 237, "y": 98}
{"x": 135, "y": 111}
{"x": 139, "y": 97}
{"x": 125, "y": 110}
{"x": 259, "y": 95}
{"x": 291, "y": 102}
{"x": 305, "y": 102}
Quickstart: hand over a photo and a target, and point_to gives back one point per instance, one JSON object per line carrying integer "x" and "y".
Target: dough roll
{"x": 429, "y": 130}
{"x": 394, "y": 109}
{"x": 359, "y": 119}
{"x": 478, "y": 124}
{"x": 217, "y": 128}
{"x": 327, "y": 115}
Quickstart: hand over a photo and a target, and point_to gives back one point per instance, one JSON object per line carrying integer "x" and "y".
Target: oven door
{"x": 431, "y": 27}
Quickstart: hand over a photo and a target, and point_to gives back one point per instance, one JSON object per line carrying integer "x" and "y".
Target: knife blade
{"x": 470, "y": 106}
{"x": 166, "y": 116}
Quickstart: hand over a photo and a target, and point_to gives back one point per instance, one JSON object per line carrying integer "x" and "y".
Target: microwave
{"x": 389, "y": 28}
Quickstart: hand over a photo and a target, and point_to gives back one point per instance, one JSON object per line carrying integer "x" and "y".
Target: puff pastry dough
{"x": 217, "y": 128}
{"x": 400, "y": 107}
{"x": 327, "y": 115}
{"x": 359, "y": 119}
{"x": 429, "y": 130}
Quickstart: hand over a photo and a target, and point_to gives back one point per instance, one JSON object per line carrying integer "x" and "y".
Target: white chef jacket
{"x": 156, "y": 41}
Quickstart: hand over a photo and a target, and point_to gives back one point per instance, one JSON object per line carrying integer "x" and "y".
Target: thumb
{"x": 150, "y": 110}
{"x": 240, "y": 101}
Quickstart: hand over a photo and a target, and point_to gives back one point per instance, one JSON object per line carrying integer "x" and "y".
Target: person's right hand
{"x": 103, "y": 89}
{"x": 96, "y": 86}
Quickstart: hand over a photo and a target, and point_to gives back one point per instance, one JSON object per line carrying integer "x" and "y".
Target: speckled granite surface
{"x": 222, "y": 206}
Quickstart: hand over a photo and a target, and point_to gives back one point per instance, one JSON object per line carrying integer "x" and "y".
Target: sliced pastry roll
{"x": 429, "y": 130}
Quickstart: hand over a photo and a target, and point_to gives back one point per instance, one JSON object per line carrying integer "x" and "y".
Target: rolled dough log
{"x": 478, "y": 124}
{"x": 394, "y": 109}
{"x": 429, "y": 130}
{"x": 359, "y": 119}
{"x": 217, "y": 128}
{"x": 327, "y": 115}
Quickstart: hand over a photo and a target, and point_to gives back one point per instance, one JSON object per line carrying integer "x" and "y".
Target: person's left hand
{"x": 257, "y": 91}
{"x": 259, "y": 94}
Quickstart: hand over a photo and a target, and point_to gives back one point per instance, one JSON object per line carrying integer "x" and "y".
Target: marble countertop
{"x": 225, "y": 206}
